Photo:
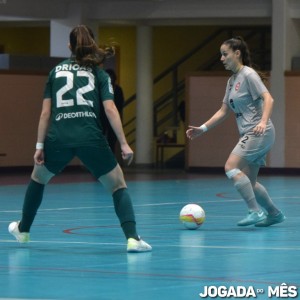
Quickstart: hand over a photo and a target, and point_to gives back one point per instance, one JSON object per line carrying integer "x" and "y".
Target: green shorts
{"x": 99, "y": 160}
{"x": 254, "y": 148}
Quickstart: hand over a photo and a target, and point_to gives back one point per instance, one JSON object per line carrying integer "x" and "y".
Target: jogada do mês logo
{"x": 272, "y": 292}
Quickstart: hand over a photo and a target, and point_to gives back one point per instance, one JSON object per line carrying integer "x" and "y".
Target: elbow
{"x": 270, "y": 99}
{"x": 267, "y": 98}
{"x": 110, "y": 112}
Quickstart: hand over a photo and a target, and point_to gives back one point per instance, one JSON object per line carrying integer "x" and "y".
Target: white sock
{"x": 244, "y": 187}
{"x": 264, "y": 199}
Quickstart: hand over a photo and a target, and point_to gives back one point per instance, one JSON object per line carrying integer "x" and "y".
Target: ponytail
{"x": 84, "y": 48}
{"x": 238, "y": 43}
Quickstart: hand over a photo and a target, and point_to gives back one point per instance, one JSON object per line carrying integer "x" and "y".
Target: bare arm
{"x": 116, "y": 124}
{"x": 267, "y": 111}
{"x": 215, "y": 120}
{"x": 42, "y": 130}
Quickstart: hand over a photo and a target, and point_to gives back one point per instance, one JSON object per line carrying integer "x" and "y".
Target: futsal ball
{"x": 192, "y": 216}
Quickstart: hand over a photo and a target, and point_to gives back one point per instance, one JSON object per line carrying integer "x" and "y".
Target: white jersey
{"x": 243, "y": 96}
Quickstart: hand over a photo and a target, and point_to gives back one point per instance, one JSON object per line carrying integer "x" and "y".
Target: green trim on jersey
{"x": 75, "y": 92}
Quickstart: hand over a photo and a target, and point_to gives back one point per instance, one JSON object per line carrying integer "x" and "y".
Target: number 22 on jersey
{"x": 80, "y": 100}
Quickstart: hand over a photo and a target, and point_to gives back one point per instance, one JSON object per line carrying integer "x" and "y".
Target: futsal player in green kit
{"x": 248, "y": 98}
{"x": 70, "y": 126}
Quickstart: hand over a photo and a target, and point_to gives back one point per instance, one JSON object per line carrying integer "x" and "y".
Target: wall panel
{"x": 292, "y": 125}
{"x": 204, "y": 97}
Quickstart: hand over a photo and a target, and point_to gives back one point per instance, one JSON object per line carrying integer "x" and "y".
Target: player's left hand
{"x": 127, "y": 153}
{"x": 259, "y": 129}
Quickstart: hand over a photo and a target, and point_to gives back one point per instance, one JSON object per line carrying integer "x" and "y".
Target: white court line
{"x": 139, "y": 205}
{"x": 60, "y": 242}
{"x": 143, "y": 205}
{"x": 111, "y": 206}
{"x": 294, "y": 248}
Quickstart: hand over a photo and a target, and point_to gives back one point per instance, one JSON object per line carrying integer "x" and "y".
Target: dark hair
{"x": 238, "y": 43}
{"x": 84, "y": 48}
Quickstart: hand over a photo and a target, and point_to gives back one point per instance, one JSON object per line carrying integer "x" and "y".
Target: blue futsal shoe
{"x": 271, "y": 220}
{"x": 252, "y": 218}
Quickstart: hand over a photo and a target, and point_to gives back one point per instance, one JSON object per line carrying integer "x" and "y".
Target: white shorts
{"x": 254, "y": 148}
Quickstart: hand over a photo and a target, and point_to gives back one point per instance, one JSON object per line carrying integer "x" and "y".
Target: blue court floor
{"x": 78, "y": 251}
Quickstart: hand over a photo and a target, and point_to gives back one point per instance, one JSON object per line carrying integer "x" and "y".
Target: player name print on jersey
{"x": 72, "y": 67}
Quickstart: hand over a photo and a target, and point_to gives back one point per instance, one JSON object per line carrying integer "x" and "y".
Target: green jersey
{"x": 76, "y": 93}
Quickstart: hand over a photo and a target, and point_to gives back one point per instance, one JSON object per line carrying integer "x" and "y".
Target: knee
{"x": 117, "y": 187}
{"x": 41, "y": 174}
{"x": 232, "y": 172}
{"x": 228, "y": 166}
{"x": 114, "y": 180}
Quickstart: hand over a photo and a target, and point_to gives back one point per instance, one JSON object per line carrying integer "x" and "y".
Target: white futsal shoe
{"x": 134, "y": 246}
{"x": 21, "y": 237}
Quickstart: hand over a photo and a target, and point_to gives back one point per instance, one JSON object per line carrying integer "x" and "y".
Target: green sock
{"x": 32, "y": 201}
{"x": 125, "y": 213}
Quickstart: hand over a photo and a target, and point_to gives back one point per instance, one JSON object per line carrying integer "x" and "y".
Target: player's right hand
{"x": 39, "y": 157}
{"x": 194, "y": 132}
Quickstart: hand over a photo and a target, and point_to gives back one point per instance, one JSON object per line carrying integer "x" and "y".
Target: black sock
{"x": 125, "y": 213}
{"x": 32, "y": 201}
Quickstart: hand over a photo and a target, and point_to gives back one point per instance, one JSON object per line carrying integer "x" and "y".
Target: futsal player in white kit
{"x": 249, "y": 99}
